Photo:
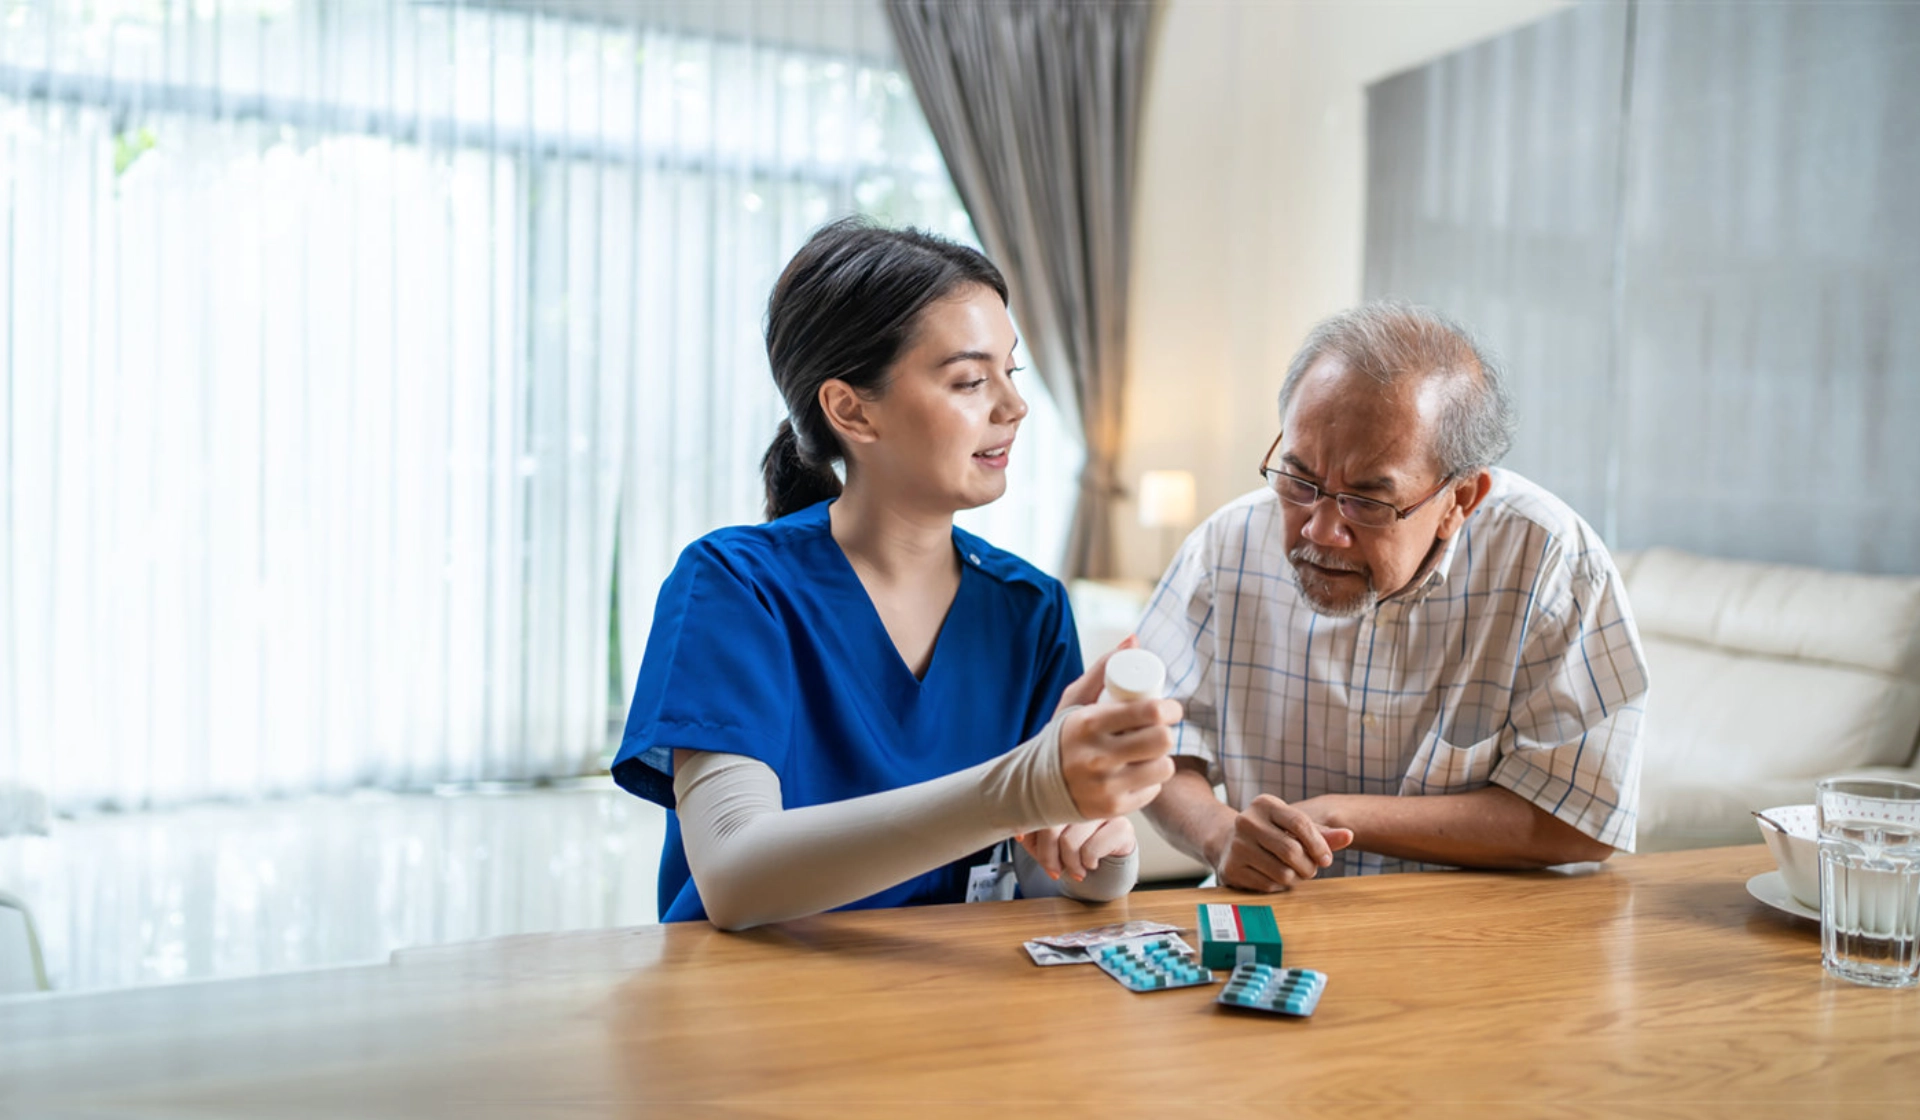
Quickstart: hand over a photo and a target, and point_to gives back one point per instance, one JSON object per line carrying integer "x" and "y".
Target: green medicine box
{"x": 1231, "y": 935}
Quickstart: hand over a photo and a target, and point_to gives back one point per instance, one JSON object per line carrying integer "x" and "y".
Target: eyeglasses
{"x": 1367, "y": 512}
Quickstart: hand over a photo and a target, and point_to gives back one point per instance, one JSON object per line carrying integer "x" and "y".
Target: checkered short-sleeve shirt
{"x": 1514, "y": 663}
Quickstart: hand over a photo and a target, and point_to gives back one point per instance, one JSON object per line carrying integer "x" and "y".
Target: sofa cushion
{"x": 1695, "y": 814}
{"x": 1721, "y": 714}
{"x": 1802, "y": 614}
{"x": 1765, "y": 677}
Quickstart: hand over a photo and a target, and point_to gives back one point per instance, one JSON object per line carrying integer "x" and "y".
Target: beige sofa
{"x": 1766, "y": 677}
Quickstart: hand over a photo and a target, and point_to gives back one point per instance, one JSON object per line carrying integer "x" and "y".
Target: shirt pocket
{"x": 1441, "y": 767}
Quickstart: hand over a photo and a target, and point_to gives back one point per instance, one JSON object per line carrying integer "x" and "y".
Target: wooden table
{"x": 1653, "y": 986}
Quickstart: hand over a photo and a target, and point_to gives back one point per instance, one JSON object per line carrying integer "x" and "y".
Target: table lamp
{"x": 1166, "y": 504}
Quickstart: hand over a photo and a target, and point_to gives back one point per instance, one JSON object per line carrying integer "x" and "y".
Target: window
{"x": 356, "y": 351}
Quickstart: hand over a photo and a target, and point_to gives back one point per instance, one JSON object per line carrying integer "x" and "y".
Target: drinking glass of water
{"x": 1870, "y": 880}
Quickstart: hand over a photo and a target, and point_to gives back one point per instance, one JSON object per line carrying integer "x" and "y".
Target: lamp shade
{"x": 1166, "y": 499}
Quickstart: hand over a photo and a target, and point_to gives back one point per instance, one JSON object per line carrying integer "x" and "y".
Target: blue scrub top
{"x": 764, "y": 643}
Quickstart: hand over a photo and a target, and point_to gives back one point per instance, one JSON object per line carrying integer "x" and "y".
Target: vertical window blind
{"x": 365, "y": 364}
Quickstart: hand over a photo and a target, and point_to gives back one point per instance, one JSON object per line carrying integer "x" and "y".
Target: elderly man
{"x": 1394, "y": 655}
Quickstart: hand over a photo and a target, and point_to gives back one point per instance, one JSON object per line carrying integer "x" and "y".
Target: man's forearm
{"x": 1188, "y": 814}
{"x": 1491, "y": 827}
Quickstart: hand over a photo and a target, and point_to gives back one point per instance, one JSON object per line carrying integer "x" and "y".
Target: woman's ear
{"x": 848, "y": 412}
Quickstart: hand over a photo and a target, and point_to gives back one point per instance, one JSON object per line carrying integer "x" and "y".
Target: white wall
{"x": 1249, "y": 215}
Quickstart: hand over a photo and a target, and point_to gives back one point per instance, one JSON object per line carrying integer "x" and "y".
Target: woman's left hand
{"x": 1075, "y": 850}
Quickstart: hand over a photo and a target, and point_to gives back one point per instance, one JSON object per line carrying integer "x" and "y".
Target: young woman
{"x": 854, "y": 704}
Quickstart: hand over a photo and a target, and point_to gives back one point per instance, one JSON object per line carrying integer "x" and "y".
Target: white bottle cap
{"x": 1135, "y": 674}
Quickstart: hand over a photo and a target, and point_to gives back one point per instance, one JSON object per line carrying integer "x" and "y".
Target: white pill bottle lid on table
{"x": 1134, "y": 674}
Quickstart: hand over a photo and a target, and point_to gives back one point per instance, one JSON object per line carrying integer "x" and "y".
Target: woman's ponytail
{"x": 792, "y": 483}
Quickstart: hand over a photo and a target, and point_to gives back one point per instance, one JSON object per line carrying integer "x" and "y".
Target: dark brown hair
{"x": 845, "y": 308}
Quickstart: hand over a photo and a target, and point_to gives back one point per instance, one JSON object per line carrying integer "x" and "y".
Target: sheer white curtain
{"x": 367, "y": 363}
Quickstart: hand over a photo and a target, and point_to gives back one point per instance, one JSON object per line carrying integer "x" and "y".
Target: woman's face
{"x": 942, "y": 430}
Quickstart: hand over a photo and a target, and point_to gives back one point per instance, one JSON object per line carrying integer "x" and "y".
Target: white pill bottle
{"x": 1134, "y": 674}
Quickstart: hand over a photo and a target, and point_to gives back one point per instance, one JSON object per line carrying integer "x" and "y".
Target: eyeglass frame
{"x": 1267, "y": 475}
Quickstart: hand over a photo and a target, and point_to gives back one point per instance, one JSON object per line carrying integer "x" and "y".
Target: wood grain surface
{"x": 1653, "y": 986}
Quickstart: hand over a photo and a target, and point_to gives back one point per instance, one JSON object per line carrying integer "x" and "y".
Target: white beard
{"x": 1314, "y": 591}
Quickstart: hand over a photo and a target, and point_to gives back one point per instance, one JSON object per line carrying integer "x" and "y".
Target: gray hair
{"x": 1389, "y": 342}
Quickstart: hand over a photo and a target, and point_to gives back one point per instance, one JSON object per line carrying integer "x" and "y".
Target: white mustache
{"x": 1311, "y": 554}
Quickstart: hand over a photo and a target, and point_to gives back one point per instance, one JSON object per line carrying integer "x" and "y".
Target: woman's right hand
{"x": 1115, "y": 756}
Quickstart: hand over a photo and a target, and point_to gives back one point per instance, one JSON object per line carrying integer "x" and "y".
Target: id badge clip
{"x": 994, "y": 880}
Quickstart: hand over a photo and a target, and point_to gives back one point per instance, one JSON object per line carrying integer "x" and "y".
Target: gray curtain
{"x": 1036, "y": 106}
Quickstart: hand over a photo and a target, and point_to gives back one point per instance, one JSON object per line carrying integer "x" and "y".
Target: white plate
{"x": 1771, "y": 889}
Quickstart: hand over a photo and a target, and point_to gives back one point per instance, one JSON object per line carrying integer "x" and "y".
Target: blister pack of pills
{"x": 1077, "y": 947}
{"x": 1282, "y": 991}
{"x": 1104, "y": 935}
{"x": 1152, "y": 964}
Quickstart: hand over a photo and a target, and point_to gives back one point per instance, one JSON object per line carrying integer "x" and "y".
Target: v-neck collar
{"x": 900, "y": 687}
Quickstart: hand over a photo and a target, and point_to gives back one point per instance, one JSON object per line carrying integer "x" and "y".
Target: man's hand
{"x": 1114, "y": 756}
{"x": 1272, "y": 845}
{"x": 1075, "y": 850}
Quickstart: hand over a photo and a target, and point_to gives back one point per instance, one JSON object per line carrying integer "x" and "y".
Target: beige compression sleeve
{"x": 1114, "y": 877}
{"x": 756, "y": 862}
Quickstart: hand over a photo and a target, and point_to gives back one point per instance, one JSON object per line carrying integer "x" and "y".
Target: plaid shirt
{"x": 1515, "y": 662}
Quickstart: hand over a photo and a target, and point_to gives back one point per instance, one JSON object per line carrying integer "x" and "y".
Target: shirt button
{"x": 975, "y": 558}
{"x": 1370, "y": 721}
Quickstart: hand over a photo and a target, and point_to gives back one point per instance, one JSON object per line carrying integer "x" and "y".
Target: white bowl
{"x": 1797, "y": 851}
